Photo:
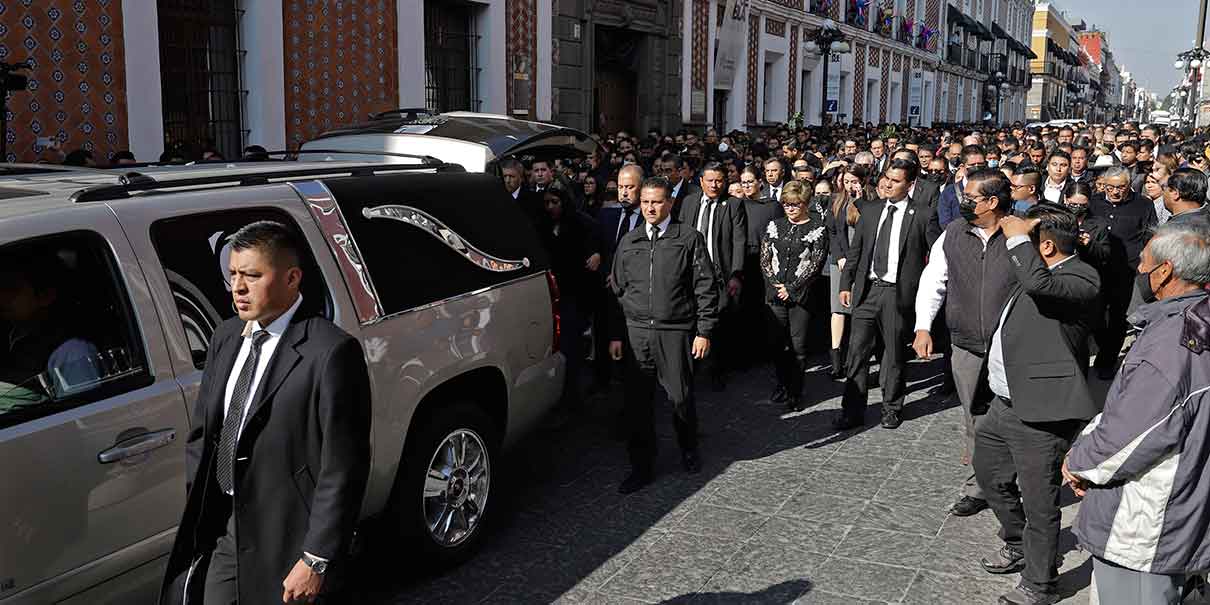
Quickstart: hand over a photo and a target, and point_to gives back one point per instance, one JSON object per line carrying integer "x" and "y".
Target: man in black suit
{"x": 678, "y": 173}
{"x": 722, "y": 220}
{"x": 1036, "y": 368}
{"x": 879, "y": 282}
{"x": 279, "y": 452}
{"x": 512, "y": 172}
{"x": 613, "y": 223}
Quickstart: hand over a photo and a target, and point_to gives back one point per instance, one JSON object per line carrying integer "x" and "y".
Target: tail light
{"x": 556, "y": 328}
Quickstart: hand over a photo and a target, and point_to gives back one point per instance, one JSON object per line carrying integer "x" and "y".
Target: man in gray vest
{"x": 969, "y": 272}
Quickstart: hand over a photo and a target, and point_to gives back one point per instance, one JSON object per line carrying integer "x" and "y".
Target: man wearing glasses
{"x": 1131, "y": 218}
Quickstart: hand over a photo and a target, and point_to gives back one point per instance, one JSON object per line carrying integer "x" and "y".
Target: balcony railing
{"x": 819, "y": 7}
{"x": 904, "y": 33}
{"x": 984, "y": 63}
{"x": 972, "y": 59}
{"x": 856, "y": 18}
{"x": 885, "y": 27}
{"x": 929, "y": 44}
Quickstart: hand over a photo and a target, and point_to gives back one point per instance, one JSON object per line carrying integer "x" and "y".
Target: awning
{"x": 957, "y": 17}
{"x": 1000, "y": 33}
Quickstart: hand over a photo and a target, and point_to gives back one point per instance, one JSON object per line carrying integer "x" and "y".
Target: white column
{"x": 492, "y": 27}
{"x": 144, "y": 106}
{"x": 410, "y": 44}
{"x": 543, "y": 68}
{"x": 264, "y": 73}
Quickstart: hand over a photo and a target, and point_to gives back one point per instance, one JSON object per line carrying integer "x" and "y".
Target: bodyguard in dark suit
{"x": 723, "y": 222}
{"x": 879, "y": 282}
{"x": 613, "y": 223}
{"x": 665, "y": 282}
{"x": 279, "y": 452}
{"x": 1036, "y": 368}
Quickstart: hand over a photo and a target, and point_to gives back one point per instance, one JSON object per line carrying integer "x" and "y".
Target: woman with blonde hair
{"x": 840, "y": 220}
{"x": 793, "y": 250}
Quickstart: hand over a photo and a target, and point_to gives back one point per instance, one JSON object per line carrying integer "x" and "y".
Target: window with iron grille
{"x": 450, "y": 68}
{"x": 201, "y": 76}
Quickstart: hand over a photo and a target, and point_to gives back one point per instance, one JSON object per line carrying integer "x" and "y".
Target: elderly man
{"x": 1131, "y": 218}
{"x": 1141, "y": 464}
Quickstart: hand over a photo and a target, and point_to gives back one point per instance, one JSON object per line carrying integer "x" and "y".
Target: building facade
{"x": 983, "y": 75}
{"x": 1060, "y": 79}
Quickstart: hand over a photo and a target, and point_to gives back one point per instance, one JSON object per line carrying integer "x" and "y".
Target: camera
{"x": 10, "y": 80}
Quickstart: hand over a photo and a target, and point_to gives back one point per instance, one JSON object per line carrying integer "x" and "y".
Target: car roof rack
{"x": 138, "y": 181}
{"x": 285, "y": 155}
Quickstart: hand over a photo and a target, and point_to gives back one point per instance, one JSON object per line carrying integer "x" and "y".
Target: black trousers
{"x": 663, "y": 357}
{"x": 572, "y": 321}
{"x": 877, "y": 317}
{"x": 788, "y": 332}
{"x": 602, "y": 362}
{"x": 221, "y": 585}
{"x": 1019, "y": 465}
{"x": 756, "y": 345}
{"x": 1112, "y": 333}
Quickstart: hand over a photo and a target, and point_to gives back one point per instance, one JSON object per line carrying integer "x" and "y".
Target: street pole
{"x": 826, "y": 56}
{"x": 1197, "y": 84}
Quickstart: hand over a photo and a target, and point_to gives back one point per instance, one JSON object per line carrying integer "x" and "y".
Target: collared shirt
{"x": 1161, "y": 211}
{"x": 892, "y": 265}
{"x": 634, "y": 219}
{"x": 275, "y": 330}
{"x": 676, "y": 189}
{"x": 997, "y": 377}
{"x": 1053, "y": 192}
{"x": 517, "y": 194}
{"x": 654, "y": 230}
{"x": 775, "y": 192}
{"x": 934, "y": 281}
{"x": 705, "y": 224}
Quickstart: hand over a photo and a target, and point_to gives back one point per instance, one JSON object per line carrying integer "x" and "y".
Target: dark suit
{"x": 882, "y": 310}
{"x": 730, "y": 242}
{"x": 947, "y": 204}
{"x": 1021, "y": 442}
{"x": 301, "y": 461}
{"x": 684, "y": 192}
{"x": 605, "y": 304}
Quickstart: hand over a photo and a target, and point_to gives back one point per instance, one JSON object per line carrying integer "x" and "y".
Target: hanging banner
{"x": 915, "y": 95}
{"x": 832, "y": 99}
{"x": 732, "y": 39}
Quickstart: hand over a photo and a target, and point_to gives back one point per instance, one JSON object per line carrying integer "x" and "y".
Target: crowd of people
{"x": 1013, "y": 253}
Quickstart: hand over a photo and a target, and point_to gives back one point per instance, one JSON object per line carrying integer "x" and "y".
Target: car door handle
{"x": 139, "y": 444}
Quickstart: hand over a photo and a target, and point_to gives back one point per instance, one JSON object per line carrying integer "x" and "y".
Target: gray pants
{"x": 1117, "y": 585}
{"x": 221, "y": 585}
{"x": 967, "y": 369}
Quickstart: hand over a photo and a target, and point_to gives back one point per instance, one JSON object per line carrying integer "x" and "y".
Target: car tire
{"x": 449, "y": 520}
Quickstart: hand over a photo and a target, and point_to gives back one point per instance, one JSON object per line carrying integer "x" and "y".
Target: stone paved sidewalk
{"x": 784, "y": 511}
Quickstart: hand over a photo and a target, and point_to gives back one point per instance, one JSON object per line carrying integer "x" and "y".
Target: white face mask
{"x": 993, "y": 163}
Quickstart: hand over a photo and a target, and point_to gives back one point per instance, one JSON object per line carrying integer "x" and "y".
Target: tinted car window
{"x": 67, "y": 334}
{"x": 478, "y": 236}
{"x": 194, "y": 251}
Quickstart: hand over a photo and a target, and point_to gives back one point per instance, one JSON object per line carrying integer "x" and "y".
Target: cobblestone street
{"x": 785, "y": 510}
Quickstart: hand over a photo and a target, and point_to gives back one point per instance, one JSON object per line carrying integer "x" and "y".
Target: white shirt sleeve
{"x": 933, "y": 283}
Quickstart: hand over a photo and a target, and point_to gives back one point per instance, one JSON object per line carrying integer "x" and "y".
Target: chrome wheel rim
{"x": 456, "y": 487}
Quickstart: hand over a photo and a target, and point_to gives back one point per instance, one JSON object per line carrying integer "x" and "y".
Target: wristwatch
{"x": 317, "y": 565}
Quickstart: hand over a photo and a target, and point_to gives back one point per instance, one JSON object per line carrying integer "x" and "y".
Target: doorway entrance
{"x": 615, "y": 90}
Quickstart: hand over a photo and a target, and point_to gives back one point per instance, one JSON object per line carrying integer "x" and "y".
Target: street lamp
{"x": 996, "y": 84}
{"x": 826, "y": 40}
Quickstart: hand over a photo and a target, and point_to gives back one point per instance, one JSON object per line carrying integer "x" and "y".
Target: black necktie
{"x": 235, "y": 415}
{"x": 624, "y": 226}
{"x": 882, "y": 245}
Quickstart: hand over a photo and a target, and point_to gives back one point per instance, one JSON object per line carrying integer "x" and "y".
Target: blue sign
{"x": 832, "y": 105}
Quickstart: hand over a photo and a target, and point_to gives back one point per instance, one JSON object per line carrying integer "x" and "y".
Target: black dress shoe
{"x": 794, "y": 403}
{"x": 1006, "y": 560}
{"x": 779, "y": 395}
{"x": 891, "y": 420}
{"x": 967, "y": 506}
{"x": 717, "y": 383}
{"x": 634, "y": 482}
{"x": 844, "y": 423}
{"x": 1024, "y": 595}
{"x": 837, "y": 370}
{"x": 691, "y": 462}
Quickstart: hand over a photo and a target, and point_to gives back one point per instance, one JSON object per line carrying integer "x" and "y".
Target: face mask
{"x": 993, "y": 163}
{"x": 822, "y": 201}
{"x": 967, "y": 210}
{"x": 1078, "y": 209}
{"x": 1142, "y": 282}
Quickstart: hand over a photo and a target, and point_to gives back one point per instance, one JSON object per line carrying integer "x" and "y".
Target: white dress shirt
{"x": 707, "y": 223}
{"x": 892, "y": 265}
{"x": 517, "y": 194}
{"x": 634, "y": 219}
{"x": 660, "y": 229}
{"x": 1053, "y": 192}
{"x": 676, "y": 189}
{"x": 275, "y": 330}
{"x": 997, "y": 378}
{"x": 1162, "y": 214}
{"x": 775, "y": 192}
{"x": 934, "y": 281}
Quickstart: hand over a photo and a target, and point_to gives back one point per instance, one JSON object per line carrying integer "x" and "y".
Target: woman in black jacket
{"x": 841, "y": 218}
{"x": 793, "y": 250}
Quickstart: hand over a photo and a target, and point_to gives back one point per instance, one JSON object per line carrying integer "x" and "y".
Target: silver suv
{"x": 110, "y": 288}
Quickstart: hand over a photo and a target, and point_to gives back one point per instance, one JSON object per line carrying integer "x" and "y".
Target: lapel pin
{"x": 911, "y": 211}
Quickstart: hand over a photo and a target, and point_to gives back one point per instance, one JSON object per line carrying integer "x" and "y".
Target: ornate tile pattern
{"x": 886, "y": 77}
{"x": 701, "y": 43}
{"x": 952, "y": 109}
{"x": 796, "y": 4}
{"x": 753, "y": 64}
{"x": 522, "y": 48}
{"x": 932, "y": 14}
{"x": 904, "y": 89}
{"x": 77, "y": 87}
{"x": 792, "y": 98}
{"x": 859, "y": 63}
{"x": 875, "y": 55}
{"x": 341, "y": 64}
{"x": 773, "y": 27}
{"x": 937, "y": 83}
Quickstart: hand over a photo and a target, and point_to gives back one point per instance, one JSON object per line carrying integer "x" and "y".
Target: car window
{"x": 194, "y": 251}
{"x": 67, "y": 333}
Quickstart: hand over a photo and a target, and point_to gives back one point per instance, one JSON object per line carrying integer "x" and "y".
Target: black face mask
{"x": 822, "y": 201}
{"x": 1078, "y": 209}
{"x": 967, "y": 210}
{"x": 1143, "y": 283}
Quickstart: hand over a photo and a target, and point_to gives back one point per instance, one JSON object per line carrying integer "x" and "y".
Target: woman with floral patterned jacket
{"x": 793, "y": 250}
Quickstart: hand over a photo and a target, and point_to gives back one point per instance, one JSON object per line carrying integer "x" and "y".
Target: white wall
{"x": 144, "y": 107}
{"x": 410, "y": 44}
{"x": 264, "y": 74}
{"x": 491, "y": 23}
